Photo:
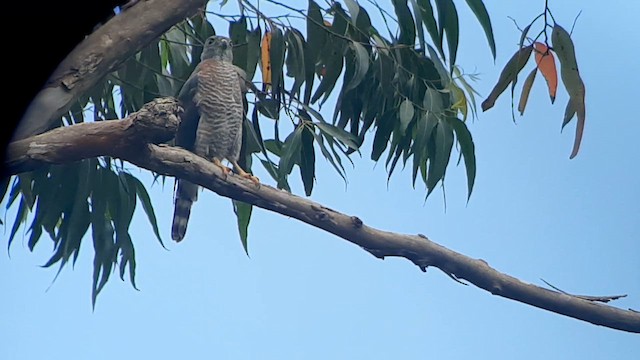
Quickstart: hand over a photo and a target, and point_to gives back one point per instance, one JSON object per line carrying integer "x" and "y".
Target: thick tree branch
{"x": 98, "y": 55}
{"x": 128, "y": 140}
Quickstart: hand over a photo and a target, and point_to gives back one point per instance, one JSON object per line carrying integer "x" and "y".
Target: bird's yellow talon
{"x": 225, "y": 170}
{"x": 245, "y": 174}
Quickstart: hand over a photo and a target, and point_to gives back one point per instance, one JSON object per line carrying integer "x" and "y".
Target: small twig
{"x": 574, "y": 22}
{"x": 603, "y": 299}
{"x": 515, "y": 23}
{"x": 134, "y": 86}
{"x": 546, "y": 22}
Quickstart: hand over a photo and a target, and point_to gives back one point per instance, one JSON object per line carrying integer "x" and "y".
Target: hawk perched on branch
{"x": 212, "y": 121}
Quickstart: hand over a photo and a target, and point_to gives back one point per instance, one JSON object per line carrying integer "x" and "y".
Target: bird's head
{"x": 217, "y": 47}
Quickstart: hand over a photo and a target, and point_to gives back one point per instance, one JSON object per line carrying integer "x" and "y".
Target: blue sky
{"x": 305, "y": 294}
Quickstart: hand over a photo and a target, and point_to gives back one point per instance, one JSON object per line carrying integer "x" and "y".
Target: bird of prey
{"x": 212, "y": 121}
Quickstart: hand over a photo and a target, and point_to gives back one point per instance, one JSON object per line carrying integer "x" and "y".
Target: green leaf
{"x": 258, "y": 138}
{"x": 145, "y": 200}
{"x": 569, "y": 112}
{"x": 354, "y": 10}
{"x": 478, "y": 8}
{"x": 238, "y": 33}
{"x": 333, "y": 69}
{"x": 251, "y": 144}
{"x": 295, "y": 60}
{"x": 15, "y": 191}
{"x": 332, "y": 146}
{"x": 166, "y": 86}
{"x": 448, "y": 23}
{"x": 443, "y": 137}
{"x": 433, "y": 101}
{"x": 405, "y": 22}
{"x": 119, "y": 206}
{"x": 426, "y": 12}
{"x": 77, "y": 221}
{"x": 243, "y": 216}
{"x": 526, "y": 89}
{"x": 406, "y": 114}
{"x": 426, "y": 123}
{"x": 385, "y": 68}
{"x": 253, "y": 51}
{"x": 361, "y": 61}
{"x": 508, "y": 75}
{"x": 402, "y": 144}
{"x": 363, "y": 25}
{"x": 102, "y": 229}
{"x": 442, "y": 71}
{"x": 274, "y": 147}
{"x": 325, "y": 152}
{"x": 179, "y": 63}
{"x": 127, "y": 203}
{"x": 269, "y": 107}
{"x": 332, "y": 55}
{"x": 307, "y": 160}
{"x": 290, "y": 151}
{"x": 419, "y": 147}
{"x": 127, "y": 257}
{"x": 272, "y": 170}
{"x": 417, "y": 14}
{"x": 523, "y": 36}
{"x": 317, "y": 36}
{"x": 26, "y": 189}
{"x": 202, "y": 26}
{"x": 340, "y": 134}
{"x": 467, "y": 148}
{"x": 21, "y": 216}
{"x": 381, "y": 138}
{"x": 4, "y": 186}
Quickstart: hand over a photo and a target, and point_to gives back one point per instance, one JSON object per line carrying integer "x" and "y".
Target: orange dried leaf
{"x": 547, "y": 66}
{"x": 266, "y": 59}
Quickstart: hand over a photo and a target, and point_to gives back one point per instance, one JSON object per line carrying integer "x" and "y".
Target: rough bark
{"x": 99, "y": 54}
{"x": 130, "y": 139}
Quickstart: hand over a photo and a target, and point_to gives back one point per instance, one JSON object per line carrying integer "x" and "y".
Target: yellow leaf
{"x": 526, "y": 89}
{"x": 266, "y": 60}
{"x": 460, "y": 101}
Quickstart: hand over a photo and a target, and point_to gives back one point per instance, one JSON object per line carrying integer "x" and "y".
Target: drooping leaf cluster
{"x": 398, "y": 89}
{"x": 562, "y": 45}
{"x": 68, "y": 200}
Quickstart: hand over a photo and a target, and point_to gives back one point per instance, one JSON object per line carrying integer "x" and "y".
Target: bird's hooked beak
{"x": 226, "y": 43}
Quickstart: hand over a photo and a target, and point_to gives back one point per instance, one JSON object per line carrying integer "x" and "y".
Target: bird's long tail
{"x": 186, "y": 194}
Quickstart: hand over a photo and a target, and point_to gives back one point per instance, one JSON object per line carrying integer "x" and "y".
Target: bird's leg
{"x": 245, "y": 174}
{"x": 225, "y": 170}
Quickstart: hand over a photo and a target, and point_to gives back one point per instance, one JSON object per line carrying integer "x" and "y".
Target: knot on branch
{"x": 321, "y": 214}
{"x": 157, "y": 121}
